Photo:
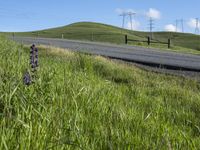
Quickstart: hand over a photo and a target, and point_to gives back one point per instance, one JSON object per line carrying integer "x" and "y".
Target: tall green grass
{"x": 88, "y": 102}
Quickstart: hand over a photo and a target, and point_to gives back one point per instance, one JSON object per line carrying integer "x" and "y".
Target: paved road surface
{"x": 170, "y": 60}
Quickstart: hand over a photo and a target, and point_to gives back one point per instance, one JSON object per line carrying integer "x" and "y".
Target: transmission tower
{"x": 131, "y": 14}
{"x": 123, "y": 18}
{"x": 176, "y": 25}
{"x": 124, "y": 15}
{"x": 181, "y": 23}
{"x": 197, "y": 26}
{"x": 151, "y": 26}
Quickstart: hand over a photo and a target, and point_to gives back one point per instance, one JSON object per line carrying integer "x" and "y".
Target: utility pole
{"x": 197, "y": 26}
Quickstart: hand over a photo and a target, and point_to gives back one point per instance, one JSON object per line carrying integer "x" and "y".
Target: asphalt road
{"x": 151, "y": 57}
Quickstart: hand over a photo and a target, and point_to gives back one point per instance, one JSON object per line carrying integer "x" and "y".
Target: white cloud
{"x": 170, "y": 27}
{"x": 192, "y": 23}
{"x": 135, "y": 25}
{"x": 153, "y": 13}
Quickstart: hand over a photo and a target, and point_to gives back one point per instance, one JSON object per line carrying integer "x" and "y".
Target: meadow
{"x": 98, "y": 32}
{"x": 79, "y": 101}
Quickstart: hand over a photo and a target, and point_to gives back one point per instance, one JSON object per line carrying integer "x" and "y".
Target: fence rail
{"x": 148, "y": 41}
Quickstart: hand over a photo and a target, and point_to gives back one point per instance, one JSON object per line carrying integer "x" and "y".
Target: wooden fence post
{"x": 13, "y": 35}
{"x": 92, "y": 36}
{"x": 126, "y": 39}
{"x": 148, "y": 41}
{"x": 169, "y": 43}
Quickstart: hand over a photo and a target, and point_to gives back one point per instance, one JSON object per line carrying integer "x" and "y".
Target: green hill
{"x": 89, "y": 102}
{"x": 106, "y": 33}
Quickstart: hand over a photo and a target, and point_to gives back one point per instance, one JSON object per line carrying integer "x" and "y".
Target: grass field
{"x": 105, "y": 33}
{"x": 88, "y": 102}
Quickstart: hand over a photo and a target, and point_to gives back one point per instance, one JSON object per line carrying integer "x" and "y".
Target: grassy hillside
{"x": 106, "y": 33}
{"x": 88, "y": 102}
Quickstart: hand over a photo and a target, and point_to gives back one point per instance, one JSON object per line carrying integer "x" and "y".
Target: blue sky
{"x": 29, "y": 15}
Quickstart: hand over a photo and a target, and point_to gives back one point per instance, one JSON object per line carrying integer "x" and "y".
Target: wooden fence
{"x": 148, "y": 41}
